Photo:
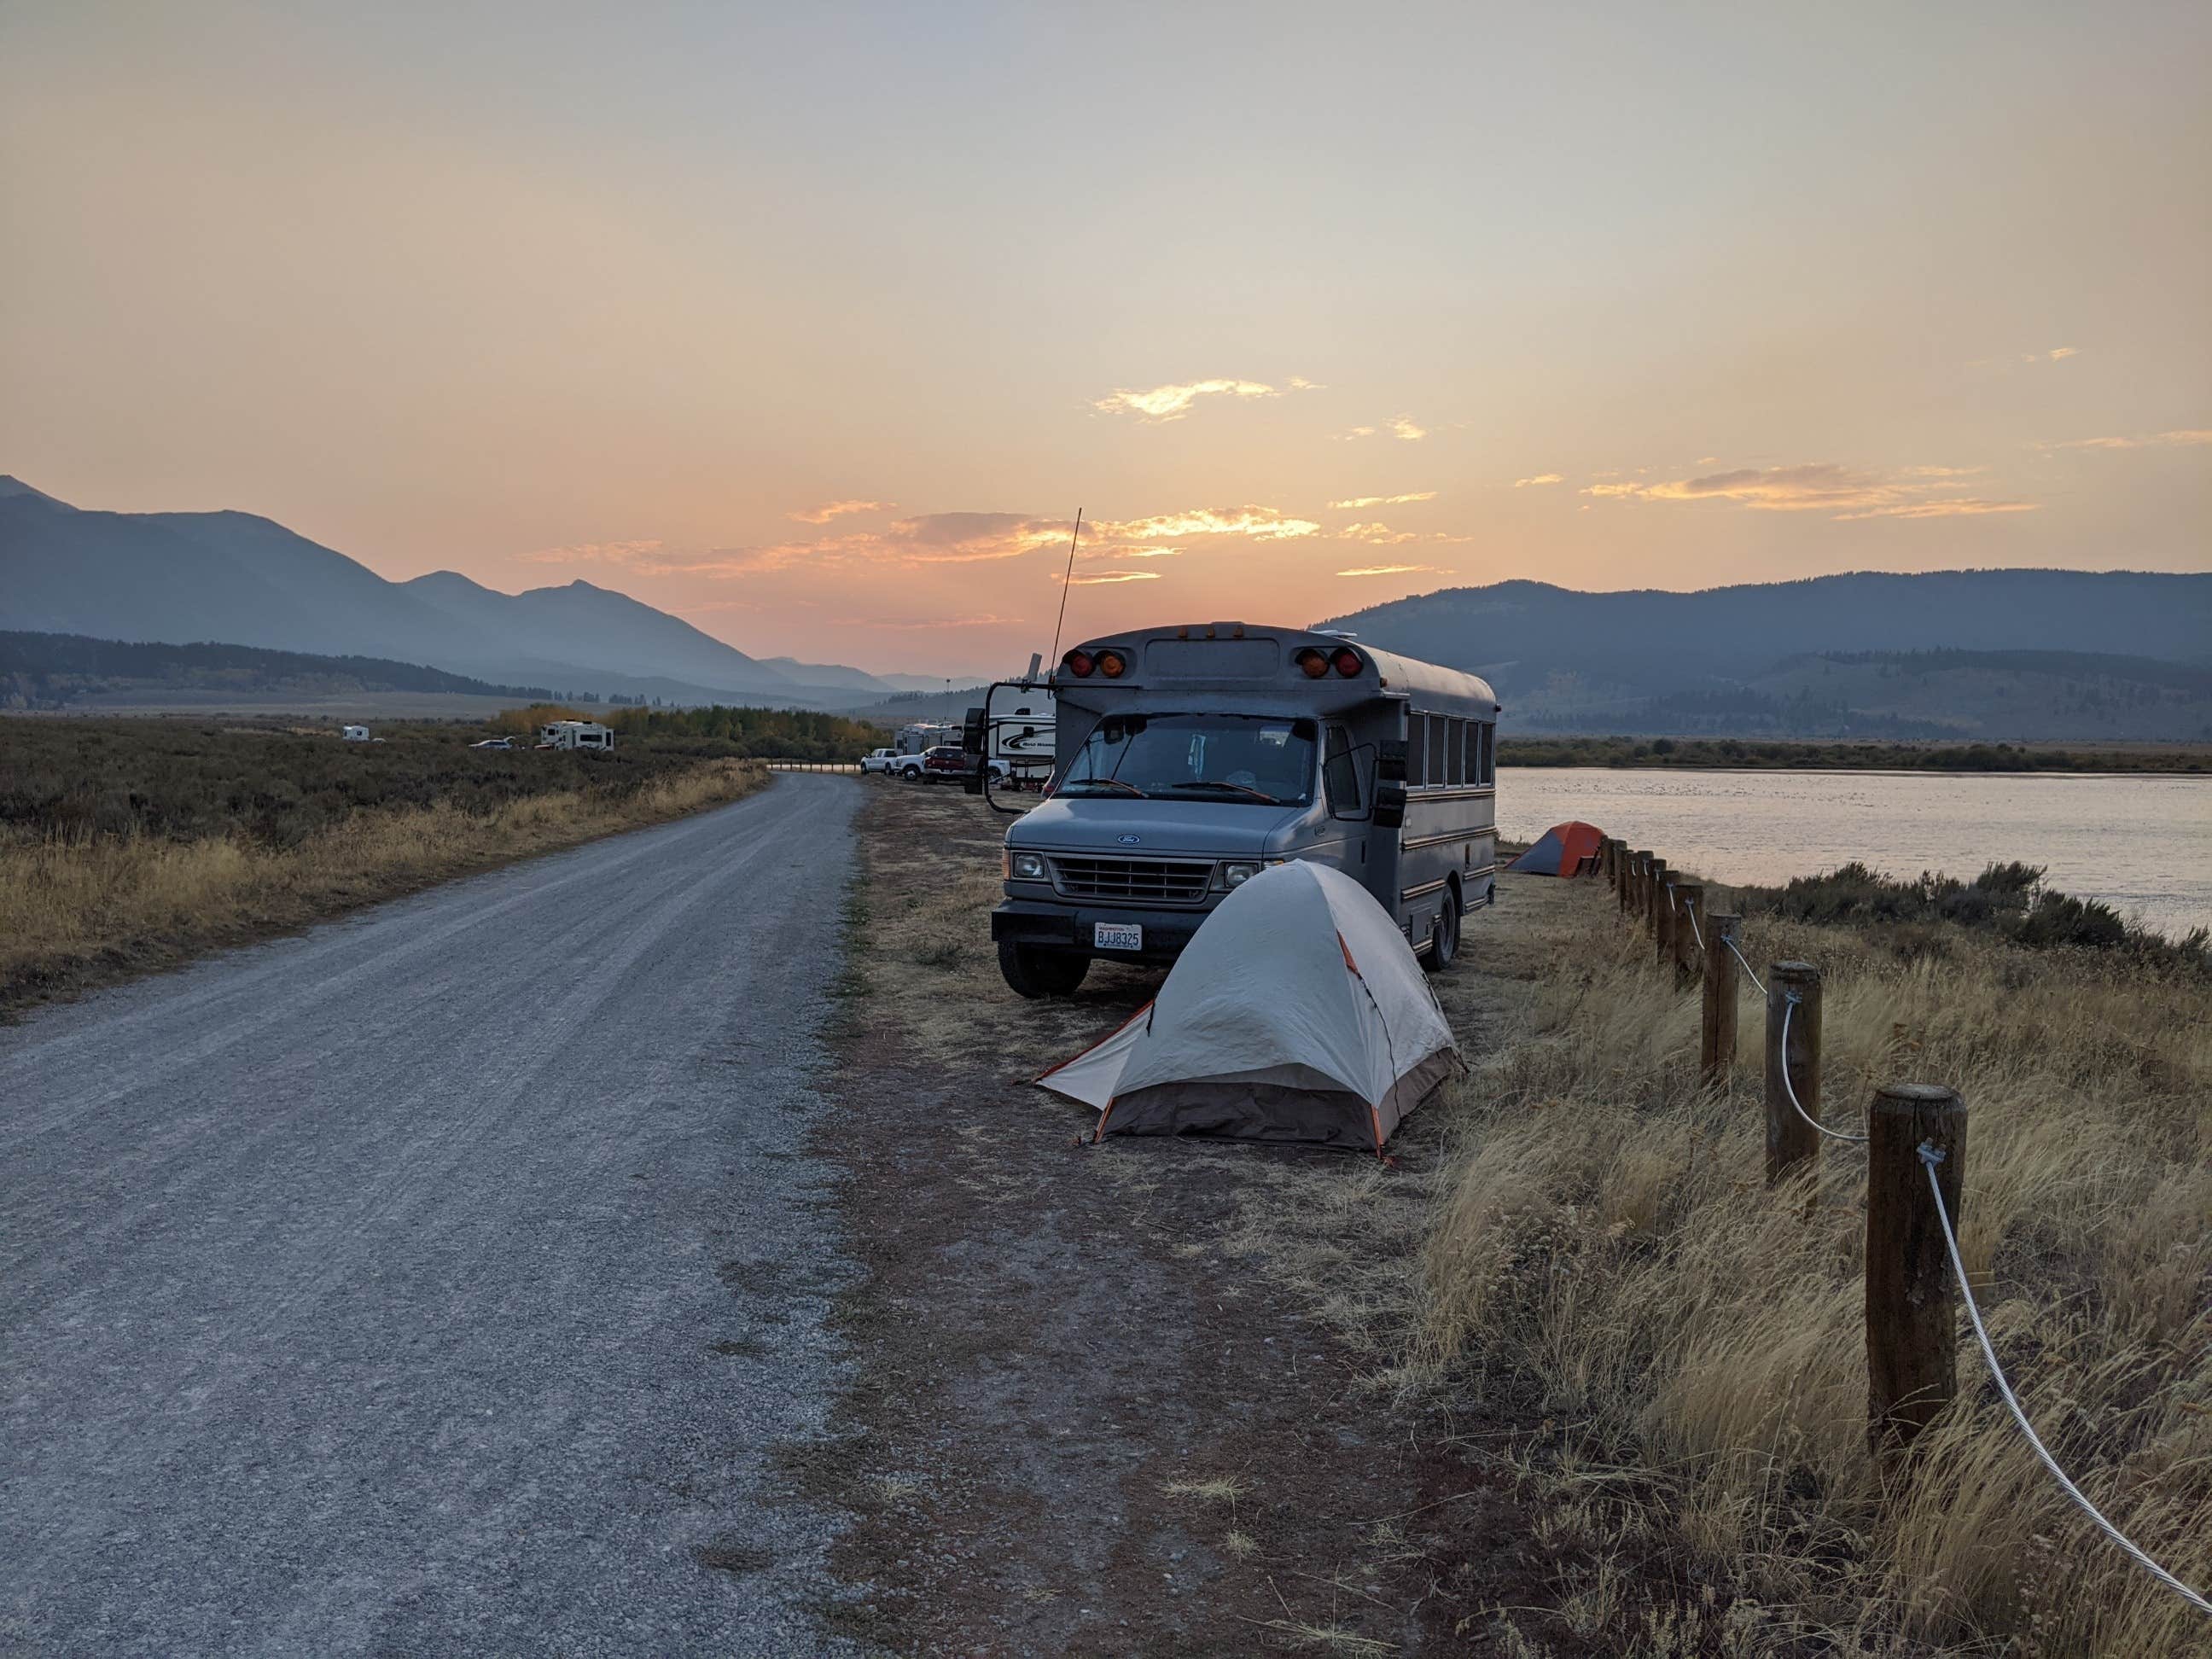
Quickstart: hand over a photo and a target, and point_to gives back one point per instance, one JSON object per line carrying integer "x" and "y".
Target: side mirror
{"x": 972, "y": 731}
{"x": 1390, "y": 763}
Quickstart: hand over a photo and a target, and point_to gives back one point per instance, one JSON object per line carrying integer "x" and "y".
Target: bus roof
{"x": 1212, "y": 659}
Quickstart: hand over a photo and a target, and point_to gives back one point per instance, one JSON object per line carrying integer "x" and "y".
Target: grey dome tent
{"x": 1297, "y": 1013}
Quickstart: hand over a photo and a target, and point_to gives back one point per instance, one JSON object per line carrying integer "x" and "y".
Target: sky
{"x": 815, "y": 325}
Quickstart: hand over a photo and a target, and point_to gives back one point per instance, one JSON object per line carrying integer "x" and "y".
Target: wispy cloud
{"x": 1100, "y": 578}
{"x": 830, "y": 510}
{"x": 1172, "y": 403}
{"x": 1353, "y": 504}
{"x": 1396, "y": 570}
{"x": 1352, "y": 432}
{"x": 1845, "y": 492}
{"x": 593, "y": 553}
{"x": 2059, "y": 354}
{"x": 1259, "y": 524}
{"x": 1540, "y": 478}
{"x": 1377, "y": 535}
{"x": 2143, "y": 441}
{"x": 931, "y": 539}
{"x": 1402, "y": 426}
{"x": 918, "y": 624}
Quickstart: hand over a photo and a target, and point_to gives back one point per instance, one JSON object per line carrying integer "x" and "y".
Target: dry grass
{"x": 1697, "y": 1344}
{"x": 76, "y": 909}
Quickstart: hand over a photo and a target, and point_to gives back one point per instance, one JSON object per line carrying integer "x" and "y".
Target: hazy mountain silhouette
{"x": 245, "y": 580}
{"x": 1603, "y": 661}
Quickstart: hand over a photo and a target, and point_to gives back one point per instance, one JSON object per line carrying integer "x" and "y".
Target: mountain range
{"x": 2005, "y": 654}
{"x": 243, "y": 579}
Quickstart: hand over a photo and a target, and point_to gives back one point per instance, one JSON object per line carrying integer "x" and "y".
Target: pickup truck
{"x": 878, "y": 760}
{"x": 946, "y": 761}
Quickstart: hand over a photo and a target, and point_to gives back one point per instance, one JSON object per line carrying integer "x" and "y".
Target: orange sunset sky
{"x": 815, "y": 324}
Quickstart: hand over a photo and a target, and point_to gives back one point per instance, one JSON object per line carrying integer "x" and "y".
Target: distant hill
{"x": 240, "y": 579}
{"x": 53, "y": 671}
{"x": 2009, "y": 654}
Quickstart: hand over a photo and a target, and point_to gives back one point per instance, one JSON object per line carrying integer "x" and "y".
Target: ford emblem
{"x": 1130, "y": 840}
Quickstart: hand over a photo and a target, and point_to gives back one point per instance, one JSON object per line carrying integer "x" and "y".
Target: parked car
{"x": 878, "y": 760}
{"x": 948, "y": 760}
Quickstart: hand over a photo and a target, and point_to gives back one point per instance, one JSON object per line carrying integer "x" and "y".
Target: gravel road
{"x": 438, "y": 1280}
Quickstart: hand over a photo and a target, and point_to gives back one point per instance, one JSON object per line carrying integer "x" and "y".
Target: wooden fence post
{"x": 1608, "y": 854}
{"x": 1656, "y": 898}
{"x": 1912, "y": 1319}
{"x": 1689, "y": 928}
{"x": 1632, "y": 871}
{"x": 1717, "y": 1021}
{"x": 1793, "y": 998}
{"x": 1666, "y": 916}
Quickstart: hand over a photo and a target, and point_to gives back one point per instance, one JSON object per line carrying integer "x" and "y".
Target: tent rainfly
{"x": 1297, "y": 1013}
{"x": 1564, "y": 849}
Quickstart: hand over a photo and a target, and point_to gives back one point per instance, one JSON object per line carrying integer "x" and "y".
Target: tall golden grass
{"x": 1606, "y": 1236}
{"x": 77, "y": 908}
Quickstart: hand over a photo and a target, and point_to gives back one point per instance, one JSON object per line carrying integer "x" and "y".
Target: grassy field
{"x": 1695, "y": 1343}
{"x": 1755, "y": 754}
{"x": 126, "y": 845}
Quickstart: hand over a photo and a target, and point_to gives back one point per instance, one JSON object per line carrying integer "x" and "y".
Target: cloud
{"x": 1131, "y": 553}
{"x": 2059, "y": 354}
{"x": 830, "y": 510}
{"x": 1843, "y": 493}
{"x": 1172, "y": 403}
{"x": 593, "y": 553}
{"x": 931, "y": 539}
{"x": 1540, "y": 478}
{"x": 1259, "y": 524}
{"x": 1354, "y": 503}
{"x": 1377, "y": 535}
{"x": 1955, "y": 507}
{"x": 1100, "y": 578}
{"x": 2147, "y": 440}
{"x": 1402, "y": 426}
{"x": 917, "y": 624}
{"x": 1352, "y": 432}
{"x": 1396, "y": 570}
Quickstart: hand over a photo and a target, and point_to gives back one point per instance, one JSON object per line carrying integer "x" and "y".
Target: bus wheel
{"x": 1033, "y": 973}
{"x": 1443, "y": 948}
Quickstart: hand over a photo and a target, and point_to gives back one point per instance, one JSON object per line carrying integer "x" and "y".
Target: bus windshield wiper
{"x": 1218, "y": 783}
{"x": 1107, "y": 783}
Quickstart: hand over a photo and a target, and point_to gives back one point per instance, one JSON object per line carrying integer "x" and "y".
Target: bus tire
{"x": 1444, "y": 944}
{"x": 1033, "y": 973}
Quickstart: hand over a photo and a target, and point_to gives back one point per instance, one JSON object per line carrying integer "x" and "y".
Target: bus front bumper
{"x": 1070, "y": 927}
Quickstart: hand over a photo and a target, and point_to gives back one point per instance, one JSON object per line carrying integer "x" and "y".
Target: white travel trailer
{"x": 925, "y": 735}
{"x": 1189, "y": 758}
{"x": 575, "y": 734}
{"x": 355, "y": 734}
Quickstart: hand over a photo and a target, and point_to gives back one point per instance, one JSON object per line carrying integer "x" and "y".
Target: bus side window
{"x": 1417, "y": 750}
{"x": 1438, "y": 726}
{"x": 1489, "y": 752}
{"x": 1454, "y": 751}
{"x": 1474, "y": 751}
{"x": 1340, "y": 776}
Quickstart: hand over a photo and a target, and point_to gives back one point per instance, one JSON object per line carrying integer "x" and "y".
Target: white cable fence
{"x": 1913, "y": 1284}
{"x": 1930, "y": 1158}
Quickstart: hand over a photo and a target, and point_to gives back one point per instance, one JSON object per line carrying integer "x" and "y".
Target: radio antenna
{"x": 1065, "y": 582}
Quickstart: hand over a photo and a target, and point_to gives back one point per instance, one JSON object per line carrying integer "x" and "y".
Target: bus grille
{"x": 1134, "y": 879}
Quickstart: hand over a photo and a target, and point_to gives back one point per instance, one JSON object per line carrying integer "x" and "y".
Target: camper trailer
{"x": 924, "y": 735}
{"x": 575, "y": 734}
{"x": 1188, "y": 758}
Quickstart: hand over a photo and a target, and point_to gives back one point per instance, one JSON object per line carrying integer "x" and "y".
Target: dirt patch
{"x": 1150, "y": 1397}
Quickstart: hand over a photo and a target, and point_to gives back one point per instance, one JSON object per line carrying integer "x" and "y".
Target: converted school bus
{"x": 1188, "y": 757}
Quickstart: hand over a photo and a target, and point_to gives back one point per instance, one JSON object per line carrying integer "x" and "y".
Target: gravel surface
{"x": 441, "y": 1280}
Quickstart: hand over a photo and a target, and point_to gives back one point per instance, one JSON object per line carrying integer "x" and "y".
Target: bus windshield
{"x": 1258, "y": 759}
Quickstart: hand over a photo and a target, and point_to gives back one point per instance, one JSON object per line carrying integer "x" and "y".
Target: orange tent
{"x": 1564, "y": 849}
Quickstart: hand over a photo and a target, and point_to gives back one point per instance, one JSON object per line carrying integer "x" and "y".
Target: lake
{"x": 2142, "y": 843}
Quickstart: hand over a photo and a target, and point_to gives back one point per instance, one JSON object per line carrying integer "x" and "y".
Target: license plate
{"x": 1117, "y": 936}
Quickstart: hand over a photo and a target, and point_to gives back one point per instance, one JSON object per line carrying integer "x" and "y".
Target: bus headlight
{"x": 1236, "y": 875}
{"x": 1026, "y": 867}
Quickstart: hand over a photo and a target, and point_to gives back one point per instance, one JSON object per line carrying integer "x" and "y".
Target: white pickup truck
{"x": 878, "y": 760}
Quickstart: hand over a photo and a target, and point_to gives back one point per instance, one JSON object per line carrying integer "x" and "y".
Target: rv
{"x": 575, "y": 734}
{"x": 1187, "y": 758}
{"x": 925, "y": 735}
{"x": 355, "y": 734}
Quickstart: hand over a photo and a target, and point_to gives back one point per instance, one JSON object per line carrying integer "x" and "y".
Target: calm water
{"x": 2142, "y": 844}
